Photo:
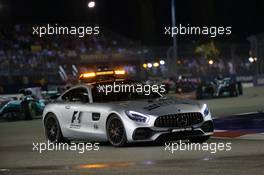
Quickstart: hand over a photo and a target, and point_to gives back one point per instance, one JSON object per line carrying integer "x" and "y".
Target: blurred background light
{"x": 156, "y": 64}
{"x": 91, "y": 4}
{"x": 162, "y": 62}
{"x": 211, "y": 62}
{"x": 149, "y": 65}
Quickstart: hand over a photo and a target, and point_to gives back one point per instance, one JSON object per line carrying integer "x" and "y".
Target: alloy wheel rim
{"x": 51, "y": 129}
{"x": 116, "y": 131}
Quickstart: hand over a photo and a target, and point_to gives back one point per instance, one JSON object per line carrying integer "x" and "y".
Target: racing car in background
{"x": 20, "y": 106}
{"x": 219, "y": 87}
{"x": 84, "y": 113}
{"x": 186, "y": 84}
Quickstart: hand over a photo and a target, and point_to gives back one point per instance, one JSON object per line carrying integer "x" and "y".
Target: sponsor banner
{"x": 259, "y": 80}
{"x": 245, "y": 79}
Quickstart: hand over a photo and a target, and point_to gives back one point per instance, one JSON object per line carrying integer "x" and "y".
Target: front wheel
{"x": 116, "y": 132}
{"x": 199, "y": 139}
{"x": 233, "y": 93}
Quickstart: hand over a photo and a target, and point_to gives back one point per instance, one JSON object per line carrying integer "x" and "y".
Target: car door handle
{"x": 67, "y": 107}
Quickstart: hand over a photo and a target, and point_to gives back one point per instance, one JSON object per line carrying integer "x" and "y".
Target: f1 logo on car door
{"x": 76, "y": 120}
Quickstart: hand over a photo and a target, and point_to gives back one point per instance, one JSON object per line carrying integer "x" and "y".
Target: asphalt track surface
{"x": 245, "y": 157}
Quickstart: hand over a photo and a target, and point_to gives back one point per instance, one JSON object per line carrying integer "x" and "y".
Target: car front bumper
{"x": 142, "y": 133}
{"x": 154, "y": 133}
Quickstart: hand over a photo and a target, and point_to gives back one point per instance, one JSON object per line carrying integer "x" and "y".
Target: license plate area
{"x": 182, "y": 129}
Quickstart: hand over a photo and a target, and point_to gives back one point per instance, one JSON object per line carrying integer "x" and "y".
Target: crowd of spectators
{"x": 23, "y": 54}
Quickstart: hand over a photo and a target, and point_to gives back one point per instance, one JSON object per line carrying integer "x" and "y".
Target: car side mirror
{"x": 54, "y": 97}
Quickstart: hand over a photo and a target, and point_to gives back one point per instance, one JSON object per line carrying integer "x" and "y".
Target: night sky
{"x": 140, "y": 19}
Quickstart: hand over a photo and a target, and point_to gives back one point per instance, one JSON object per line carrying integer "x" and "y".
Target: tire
{"x": 52, "y": 129}
{"x": 32, "y": 109}
{"x": 240, "y": 88}
{"x": 199, "y": 139}
{"x": 29, "y": 109}
{"x": 116, "y": 133}
{"x": 233, "y": 91}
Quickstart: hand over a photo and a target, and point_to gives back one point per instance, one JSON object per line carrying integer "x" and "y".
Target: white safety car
{"x": 82, "y": 113}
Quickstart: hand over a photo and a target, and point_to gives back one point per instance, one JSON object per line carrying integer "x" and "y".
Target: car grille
{"x": 179, "y": 120}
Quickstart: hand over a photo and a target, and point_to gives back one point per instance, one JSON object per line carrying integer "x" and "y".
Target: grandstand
{"x": 28, "y": 60}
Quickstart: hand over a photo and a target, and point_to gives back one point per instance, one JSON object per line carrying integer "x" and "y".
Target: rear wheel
{"x": 33, "y": 109}
{"x": 240, "y": 88}
{"x": 29, "y": 109}
{"x": 199, "y": 139}
{"x": 115, "y": 131}
{"x": 52, "y": 129}
{"x": 233, "y": 90}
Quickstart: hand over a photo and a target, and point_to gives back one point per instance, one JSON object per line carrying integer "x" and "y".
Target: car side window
{"x": 66, "y": 96}
{"x": 76, "y": 95}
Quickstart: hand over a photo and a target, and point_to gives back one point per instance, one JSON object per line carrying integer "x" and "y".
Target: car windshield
{"x": 108, "y": 92}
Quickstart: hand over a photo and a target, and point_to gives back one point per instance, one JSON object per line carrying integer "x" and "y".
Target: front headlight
{"x": 206, "y": 110}
{"x": 138, "y": 117}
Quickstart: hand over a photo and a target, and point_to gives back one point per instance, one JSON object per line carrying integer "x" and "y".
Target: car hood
{"x": 161, "y": 106}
